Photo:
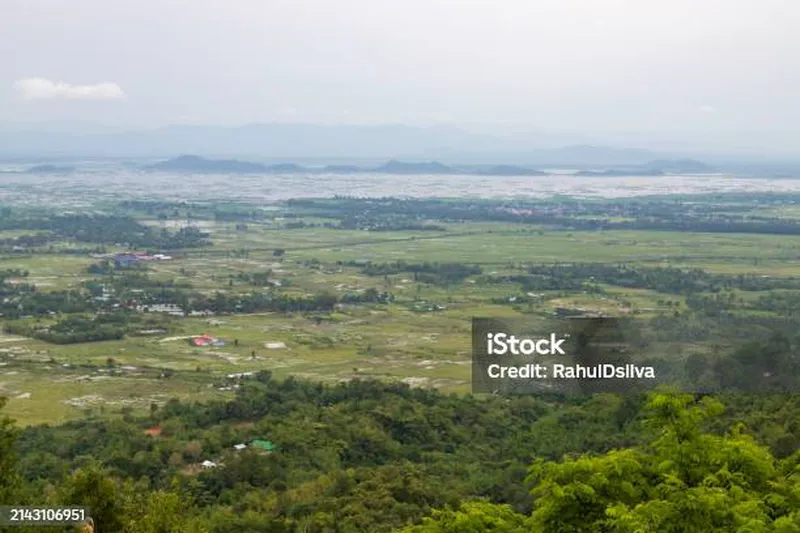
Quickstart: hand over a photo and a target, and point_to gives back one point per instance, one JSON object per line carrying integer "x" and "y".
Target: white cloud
{"x": 44, "y": 89}
{"x": 707, "y": 108}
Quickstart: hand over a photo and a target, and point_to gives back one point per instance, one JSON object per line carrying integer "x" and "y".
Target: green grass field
{"x": 52, "y": 383}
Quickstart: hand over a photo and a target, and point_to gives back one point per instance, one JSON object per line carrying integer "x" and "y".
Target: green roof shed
{"x": 262, "y": 445}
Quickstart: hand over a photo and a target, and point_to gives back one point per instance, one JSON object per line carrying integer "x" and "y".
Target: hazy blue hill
{"x": 401, "y": 167}
{"x": 679, "y": 165}
{"x": 510, "y": 170}
{"x": 345, "y": 145}
{"x": 286, "y": 167}
{"x": 49, "y": 169}
{"x": 193, "y": 163}
{"x": 295, "y": 142}
{"x": 657, "y": 167}
{"x": 343, "y": 169}
{"x": 274, "y": 140}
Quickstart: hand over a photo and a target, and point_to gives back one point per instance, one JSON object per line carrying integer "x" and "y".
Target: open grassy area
{"x": 423, "y": 337}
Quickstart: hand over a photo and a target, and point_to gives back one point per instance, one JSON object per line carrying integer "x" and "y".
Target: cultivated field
{"x": 421, "y": 336}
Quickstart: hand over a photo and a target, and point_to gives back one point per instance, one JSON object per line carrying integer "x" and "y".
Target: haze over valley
{"x": 300, "y": 266}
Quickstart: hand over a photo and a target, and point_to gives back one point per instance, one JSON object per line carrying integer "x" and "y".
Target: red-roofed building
{"x": 206, "y": 340}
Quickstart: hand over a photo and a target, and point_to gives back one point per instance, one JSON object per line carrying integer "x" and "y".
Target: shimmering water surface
{"x": 86, "y": 188}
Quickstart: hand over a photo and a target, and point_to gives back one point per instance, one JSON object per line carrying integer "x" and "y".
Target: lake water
{"x": 86, "y": 188}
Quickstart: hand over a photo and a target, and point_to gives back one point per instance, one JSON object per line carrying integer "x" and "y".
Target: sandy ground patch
{"x": 183, "y": 338}
{"x": 275, "y": 345}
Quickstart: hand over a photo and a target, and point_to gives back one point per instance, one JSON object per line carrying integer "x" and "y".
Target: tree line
{"x": 651, "y": 214}
{"x": 427, "y": 272}
{"x": 112, "y": 229}
{"x": 370, "y": 456}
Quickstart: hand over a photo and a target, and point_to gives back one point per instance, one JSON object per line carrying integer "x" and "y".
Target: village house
{"x": 262, "y": 445}
{"x": 125, "y": 260}
{"x": 206, "y": 340}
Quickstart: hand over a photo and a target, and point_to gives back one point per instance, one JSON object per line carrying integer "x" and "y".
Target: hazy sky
{"x": 726, "y": 68}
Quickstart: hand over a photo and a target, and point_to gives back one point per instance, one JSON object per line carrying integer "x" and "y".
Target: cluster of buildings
{"x": 241, "y": 375}
{"x": 126, "y": 259}
{"x": 258, "y": 445}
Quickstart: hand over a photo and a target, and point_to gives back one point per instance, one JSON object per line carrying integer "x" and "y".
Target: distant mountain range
{"x": 197, "y": 164}
{"x": 510, "y": 170}
{"x": 658, "y": 167}
{"x": 343, "y": 144}
{"x": 400, "y": 167}
{"x": 679, "y": 165}
{"x": 193, "y": 163}
{"x": 49, "y": 169}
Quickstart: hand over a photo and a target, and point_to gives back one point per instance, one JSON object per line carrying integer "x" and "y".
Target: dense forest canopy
{"x": 366, "y": 456}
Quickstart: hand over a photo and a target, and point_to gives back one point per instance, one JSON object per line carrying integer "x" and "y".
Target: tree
{"x": 193, "y": 450}
{"x": 474, "y": 517}
{"x": 163, "y": 513}
{"x": 684, "y": 481}
{"x": 9, "y": 476}
{"x": 108, "y": 501}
